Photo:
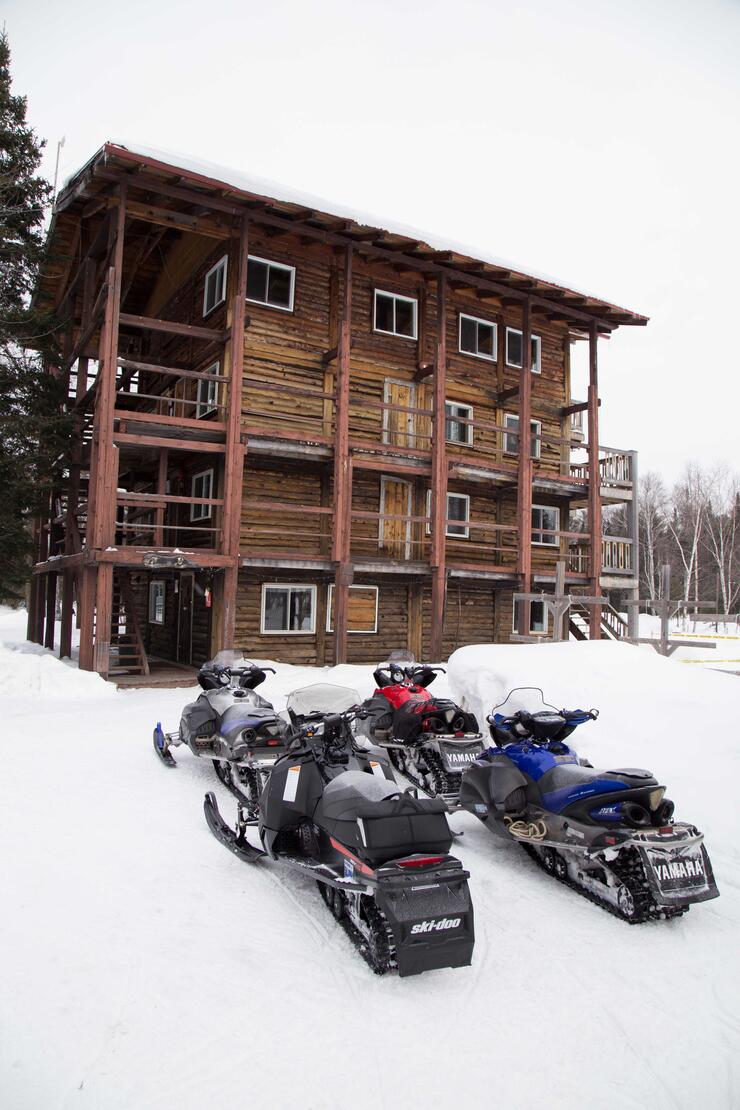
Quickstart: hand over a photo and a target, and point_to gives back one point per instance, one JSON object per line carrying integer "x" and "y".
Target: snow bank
{"x": 143, "y": 966}
{"x": 29, "y": 670}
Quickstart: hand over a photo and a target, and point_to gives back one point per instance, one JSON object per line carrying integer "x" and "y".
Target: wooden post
{"x": 65, "y": 634}
{"x": 557, "y": 616}
{"x": 161, "y": 489}
{"x": 439, "y": 478}
{"x": 341, "y": 547}
{"x": 86, "y": 602}
{"x": 51, "y": 610}
{"x": 665, "y": 609}
{"x": 234, "y": 457}
{"x": 633, "y": 513}
{"x": 415, "y": 629}
{"x": 106, "y": 455}
{"x": 594, "y": 479}
{"x": 524, "y": 477}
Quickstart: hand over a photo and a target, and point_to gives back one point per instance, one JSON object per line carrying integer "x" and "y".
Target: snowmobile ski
{"x": 162, "y": 747}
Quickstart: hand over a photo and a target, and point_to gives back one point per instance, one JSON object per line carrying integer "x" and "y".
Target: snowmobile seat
{"x": 373, "y": 818}
{"x": 573, "y": 774}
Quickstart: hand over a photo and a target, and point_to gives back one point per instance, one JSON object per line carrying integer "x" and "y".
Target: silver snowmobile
{"x": 232, "y": 724}
{"x": 608, "y": 834}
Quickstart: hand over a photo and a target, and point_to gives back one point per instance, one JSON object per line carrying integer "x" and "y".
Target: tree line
{"x": 694, "y": 527}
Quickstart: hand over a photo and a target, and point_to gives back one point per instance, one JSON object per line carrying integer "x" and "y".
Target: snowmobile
{"x": 431, "y": 740}
{"x": 332, "y": 810}
{"x": 236, "y": 727}
{"x": 608, "y": 834}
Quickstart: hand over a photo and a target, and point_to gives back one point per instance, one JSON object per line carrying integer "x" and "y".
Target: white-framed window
{"x": 455, "y": 430}
{"x": 545, "y": 519}
{"x": 201, "y": 485}
{"x": 477, "y": 337}
{"x": 270, "y": 283}
{"x": 537, "y": 617}
{"x": 514, "y": 350}
{"x": 208, "y": 392}
{"x": 288, "y": 609}
{"x": 394, "y": 314}
{"x": 362, "y": 614}
{"x": 214, "y": 286}
{"x": 156, "y": 601}
{"x": 511, "y": 436}
{"x": 458, "y": 509}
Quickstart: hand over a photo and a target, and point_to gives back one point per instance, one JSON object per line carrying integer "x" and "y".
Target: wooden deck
{"x": 162, "y": 674}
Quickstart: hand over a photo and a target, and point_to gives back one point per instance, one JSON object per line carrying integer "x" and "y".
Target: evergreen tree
{"x": 33, "y": 426}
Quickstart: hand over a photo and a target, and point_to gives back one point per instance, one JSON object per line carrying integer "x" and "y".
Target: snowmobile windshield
{"x": 401, "y": 657}
{"x": 322, "y": 698}
{"x": 528, "y": 699}
{"x": 232, "y": 658}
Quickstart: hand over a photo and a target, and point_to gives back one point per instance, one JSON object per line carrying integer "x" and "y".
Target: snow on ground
{"x": 724, "y": 638}
{"x": 144, "y": 967}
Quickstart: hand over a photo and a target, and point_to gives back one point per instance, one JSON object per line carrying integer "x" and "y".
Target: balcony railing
{"x": 615, "y": 467}
{"x": 616, "y": 556}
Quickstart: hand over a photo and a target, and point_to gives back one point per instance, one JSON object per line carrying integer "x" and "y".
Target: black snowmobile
{"x": 236, "y": 727}
{"x": 332, "y": 810}
{"x": 608, "y": 834}
{"x": 431, "y": 740}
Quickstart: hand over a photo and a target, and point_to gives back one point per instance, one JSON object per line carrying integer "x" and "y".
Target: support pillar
{"x": 235, "y": 450}
{"x": 65, "y": 635}
{"x": 51, "y": 610}
{"x": 439, "y": 478}
{"x": 633, "y": 513}
{"x": 341, "y": 546}
{"x": 524, "y": 477}
{"x": 594, "y": 480}
{"x": 103, "y": 618}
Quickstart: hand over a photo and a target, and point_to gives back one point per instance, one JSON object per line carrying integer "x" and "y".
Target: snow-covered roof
{"x": 238, "y": 184}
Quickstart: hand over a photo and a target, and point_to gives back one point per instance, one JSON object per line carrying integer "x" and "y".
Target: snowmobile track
{"x": 633, "y": 876}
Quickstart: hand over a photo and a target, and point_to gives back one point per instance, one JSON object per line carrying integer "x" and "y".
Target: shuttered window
{"x": 362, "y": 613}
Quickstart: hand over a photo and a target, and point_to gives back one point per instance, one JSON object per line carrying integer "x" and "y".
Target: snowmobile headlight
{"x": 656, "y": 797}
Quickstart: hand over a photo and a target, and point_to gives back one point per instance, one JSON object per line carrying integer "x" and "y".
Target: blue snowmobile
{"x": 608, "y": 834}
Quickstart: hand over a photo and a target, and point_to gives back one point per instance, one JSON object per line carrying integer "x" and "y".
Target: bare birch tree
{"x": 686, "y": 521}
{"x": 652, "y": 517}
{"x": 722, "y": 532}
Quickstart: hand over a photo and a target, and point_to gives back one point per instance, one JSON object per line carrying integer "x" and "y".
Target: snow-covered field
{"x": 145, "y": 968}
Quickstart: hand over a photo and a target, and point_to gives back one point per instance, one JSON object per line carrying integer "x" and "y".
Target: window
{"x": 537, "y": 616}
{"x": 270, "y": 283}
{"x": 477, "y": 337}
{"x": 201, "y": 486}
{"x": 511, "y": 439}
{"x": 288, "y": 609}
{"x": 214, "y": 291}
{"x": 458, "y": 508}
{"x": 547, "y": 519}
{"x": 514, "y": 350}
{"x": 156, "y": 602}
{"x": 208, "y": 393}
{"x": 394, "y": 314}
{"x": 455, "y": 431}
{"x": 362, "y": 615}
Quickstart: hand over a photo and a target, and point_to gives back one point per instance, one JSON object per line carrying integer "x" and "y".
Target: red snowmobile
{"x": 431, "y": 740}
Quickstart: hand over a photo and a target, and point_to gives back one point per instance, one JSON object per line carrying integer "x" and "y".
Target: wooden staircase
{"x": 613, "y": 625}
{"x": 127, "y": 651}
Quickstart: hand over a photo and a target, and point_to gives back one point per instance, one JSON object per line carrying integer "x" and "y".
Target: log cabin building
{"x": 307, "y": 436}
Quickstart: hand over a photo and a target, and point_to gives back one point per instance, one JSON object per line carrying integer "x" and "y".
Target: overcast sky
{"x": 593, "y": 141}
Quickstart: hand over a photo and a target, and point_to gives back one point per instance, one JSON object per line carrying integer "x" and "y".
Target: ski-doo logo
{"x": 435, "y": 926}
{"x": 679, "y": 869}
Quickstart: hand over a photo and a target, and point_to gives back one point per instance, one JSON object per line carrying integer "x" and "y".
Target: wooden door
{"x": 394, "y": 536}
{"x": 185, "y": 618}
{"x": 398, "y": 427}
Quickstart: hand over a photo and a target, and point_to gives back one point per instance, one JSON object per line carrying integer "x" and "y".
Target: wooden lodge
{"x": 299, "y": 434}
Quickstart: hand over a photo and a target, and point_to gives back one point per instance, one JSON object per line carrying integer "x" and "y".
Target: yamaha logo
{"x": 435, "y": 926}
